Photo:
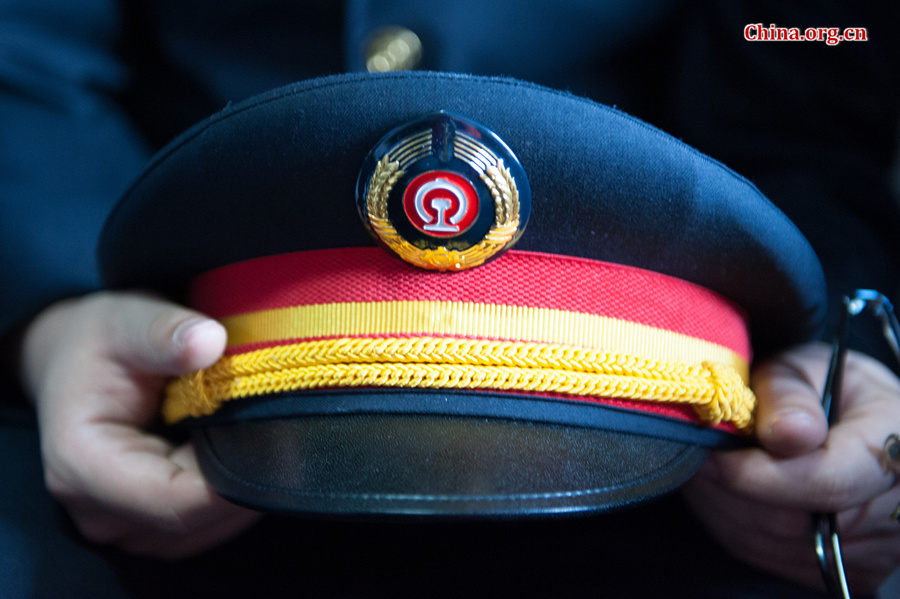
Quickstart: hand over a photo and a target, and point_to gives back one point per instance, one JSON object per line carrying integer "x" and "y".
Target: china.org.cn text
{"x": 832, "y": 36}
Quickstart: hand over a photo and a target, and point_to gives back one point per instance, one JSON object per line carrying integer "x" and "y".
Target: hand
{"x": 757, "y": 502}
{"x": 95, "y": 368}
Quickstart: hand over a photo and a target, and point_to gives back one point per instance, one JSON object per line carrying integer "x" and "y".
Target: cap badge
{"x": 444, "y": 193}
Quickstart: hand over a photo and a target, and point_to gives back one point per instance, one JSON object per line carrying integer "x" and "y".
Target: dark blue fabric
{"x": 41, "y": 553}
{"x": 814, "y": 126}
{"x": 67, "y": 149}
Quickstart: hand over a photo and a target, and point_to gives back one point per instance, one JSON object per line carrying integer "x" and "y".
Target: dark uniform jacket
{"x": 89, "y": 89}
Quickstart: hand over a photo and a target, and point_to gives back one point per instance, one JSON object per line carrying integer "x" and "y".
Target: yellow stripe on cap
{"x": 486, "y": 321}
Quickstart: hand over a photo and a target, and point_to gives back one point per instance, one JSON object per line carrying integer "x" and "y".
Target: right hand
{"x": 95, "y": 368}
{"x": 757, "y": 502}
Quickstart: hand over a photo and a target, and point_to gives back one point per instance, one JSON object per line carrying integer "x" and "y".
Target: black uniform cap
{"x": 278, "y": 174}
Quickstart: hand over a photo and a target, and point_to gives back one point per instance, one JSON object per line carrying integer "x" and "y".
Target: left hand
{"x": 757, "y": 502}
{"x": 96, "y": 368}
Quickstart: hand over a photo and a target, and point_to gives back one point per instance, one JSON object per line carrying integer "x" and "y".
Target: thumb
{"x": 790, "y": 419}
{"x": 152, "y": 335}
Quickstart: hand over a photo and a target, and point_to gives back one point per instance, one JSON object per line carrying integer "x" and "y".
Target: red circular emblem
{"x": 441, "y": 203}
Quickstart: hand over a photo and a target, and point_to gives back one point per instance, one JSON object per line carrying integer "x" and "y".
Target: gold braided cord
{"x": 469, "y": 319}
{"x": 716, "y": 391}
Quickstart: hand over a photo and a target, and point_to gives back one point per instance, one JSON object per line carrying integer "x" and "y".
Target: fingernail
{"x": 790, "y": 421}
{"x": 190, "y": 328}
{"x": 792, "y": 431}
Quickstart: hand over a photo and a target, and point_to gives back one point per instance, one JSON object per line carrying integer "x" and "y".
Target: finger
{"x": 790, "y": 420}
{"x": 179, "y": 546}
{"x": 712, "y": 500}
{"x": 768, "y": 537}
{"x": 869, "y": 561}
{"x": 152, "y": 335}
{"x": 104, "y": 527}
{"x": 843, "y": 473}
{"x": 143, "y": 479}
{"x": 820, "y": 481}
{"x": 780, "y": 540}
{"x": 873, "y": 520}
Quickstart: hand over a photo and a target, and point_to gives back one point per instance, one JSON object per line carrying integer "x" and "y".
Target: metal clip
{"x": 825, "y": 529}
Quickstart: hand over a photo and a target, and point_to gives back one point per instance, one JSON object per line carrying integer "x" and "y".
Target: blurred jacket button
{"x": 393, "y": 49}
